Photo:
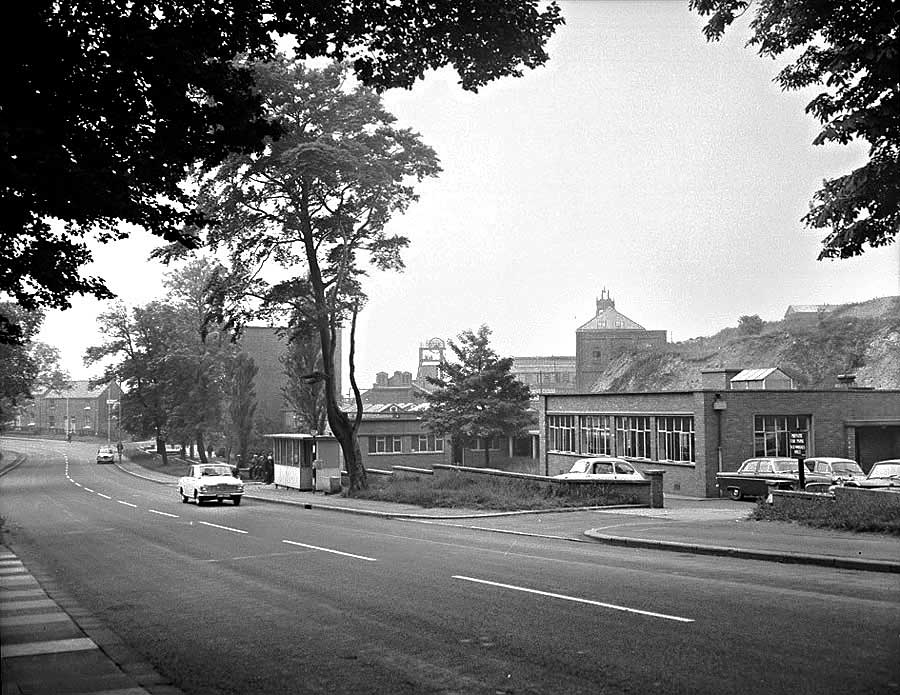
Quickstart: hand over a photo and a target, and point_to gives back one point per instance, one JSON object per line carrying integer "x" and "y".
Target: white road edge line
{"x": 106, "y": 497}
{"x": 154, "y": 511}
{"x": 329, "y": 550}
{"x": 224, "y": 528}
{"x": 127, "y": 504}
{"x": 612, "y": 606}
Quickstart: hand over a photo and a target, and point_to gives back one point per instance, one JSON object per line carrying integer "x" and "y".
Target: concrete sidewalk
{"x": 687, "y": 525}
{"x": 50, "y": 646}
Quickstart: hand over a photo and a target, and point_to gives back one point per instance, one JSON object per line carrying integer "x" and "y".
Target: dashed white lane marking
{"x": 576, "y": 599}
{"x": 106, "y": 497}
{"x": 50, "y": 647}
{"x": 155, "y": 511}
{"x": 80, "y": 485}
{"x": 225, "y": 528}
{"x": 329, "y": 550}
{"x": 127, "y": 504}
{"x": 87, "y": 489}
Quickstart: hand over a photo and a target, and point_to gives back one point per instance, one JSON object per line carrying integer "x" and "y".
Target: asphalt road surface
{"x": 266, "y": 598}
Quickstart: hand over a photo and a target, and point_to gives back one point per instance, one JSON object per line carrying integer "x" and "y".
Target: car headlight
{"x": 202, "y": 488}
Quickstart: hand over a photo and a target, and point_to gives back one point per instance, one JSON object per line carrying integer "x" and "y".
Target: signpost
{"x": 797, "y": 444}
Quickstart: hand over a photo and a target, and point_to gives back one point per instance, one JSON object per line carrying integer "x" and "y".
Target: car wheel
{"x": 735, "y": 493}
{"x": 237, "y": 500}
{"x": 184, "y": 498}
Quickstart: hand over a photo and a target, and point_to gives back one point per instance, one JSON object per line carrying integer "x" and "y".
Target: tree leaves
{"x": 853, "y": 49}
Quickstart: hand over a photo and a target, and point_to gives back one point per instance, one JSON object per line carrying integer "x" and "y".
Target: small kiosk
{"x": 306, "y": 461}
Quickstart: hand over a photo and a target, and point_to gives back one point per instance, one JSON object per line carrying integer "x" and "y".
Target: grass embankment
{"x": 492, "y": 494}
{"x": 860, "y": 517}
{"x": 153, "y": 462}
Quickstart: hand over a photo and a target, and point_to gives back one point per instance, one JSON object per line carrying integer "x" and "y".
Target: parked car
{"x": 601, "y": 468}
{"x": 882, "y": 474}
{"x": 210, "y": 481}
{"x": 106, "y": 454}
{"x": 756, "y": 476}
{"x": 830, "y": 470}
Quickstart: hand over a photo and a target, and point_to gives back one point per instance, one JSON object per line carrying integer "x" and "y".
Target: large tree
{"x": 852, "y": 47}
{"x": 140, "y": 352}
{"x": 106, "y": 105}
{"x": 477, "y": 396}
{"x": 23, "y": 360}
{"x": 317, "y": 202}
{"x": 203, "y": 345}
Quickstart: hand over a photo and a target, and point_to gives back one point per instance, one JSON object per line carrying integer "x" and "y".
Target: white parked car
{"x": 210, "y": 481}
{"x": 602, "y": 468}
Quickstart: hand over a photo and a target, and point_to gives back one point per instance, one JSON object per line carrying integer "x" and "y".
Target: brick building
{"x": 545, "y": 374}
{"x": 80, "y": 409}
{"x": 693, "y": 434}
{"x": 606, "y": 336}
{"x": 267, "y": 348}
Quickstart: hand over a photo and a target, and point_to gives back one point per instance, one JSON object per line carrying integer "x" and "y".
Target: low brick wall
{"x": 800, "y": 503}
{"x": 636, "y": 492}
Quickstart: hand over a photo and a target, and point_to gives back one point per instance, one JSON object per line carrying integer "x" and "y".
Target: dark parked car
{"x": 883, "y": 474}
{"x": 757, "y": 476}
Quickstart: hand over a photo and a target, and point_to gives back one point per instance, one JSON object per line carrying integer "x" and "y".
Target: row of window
{"x": 393, "y": 444}
{"x": 631, "y": 435}
{"x": 419, "y": 444}
{"x": 622, "y": 435}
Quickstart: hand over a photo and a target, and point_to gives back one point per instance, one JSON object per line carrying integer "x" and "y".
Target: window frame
{"x": 633, "y": 437}
{"x": 675, "y": 435}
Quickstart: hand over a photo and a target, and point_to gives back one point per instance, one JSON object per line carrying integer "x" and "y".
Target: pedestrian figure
{"x": 270, "y": 470}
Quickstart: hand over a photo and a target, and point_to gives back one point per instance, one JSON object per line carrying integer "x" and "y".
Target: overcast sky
{"x": 640, "y": 159}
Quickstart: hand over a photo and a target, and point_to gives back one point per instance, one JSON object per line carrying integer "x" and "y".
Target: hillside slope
{"x": 861, "y": 339}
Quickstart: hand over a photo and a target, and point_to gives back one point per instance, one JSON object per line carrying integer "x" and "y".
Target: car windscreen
{"x": 215, "y": 470}
{"x": 846, "y": 468}
{"x": 885, "y": 470}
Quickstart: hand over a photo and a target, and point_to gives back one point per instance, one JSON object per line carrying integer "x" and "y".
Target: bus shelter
{"x": 305, "y": 461}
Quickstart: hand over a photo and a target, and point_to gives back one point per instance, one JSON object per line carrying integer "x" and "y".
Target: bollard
{"x": 656, "y": 488}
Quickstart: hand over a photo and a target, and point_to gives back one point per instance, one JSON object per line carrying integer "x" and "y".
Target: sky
{"x": 641, "y": 159}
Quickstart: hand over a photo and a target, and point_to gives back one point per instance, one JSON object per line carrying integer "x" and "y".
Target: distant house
{"x": 807, "y": 313}
{"x": 552, "y": 374}
{"x": 79, "y": 409}
{"x": 768, "y": 379}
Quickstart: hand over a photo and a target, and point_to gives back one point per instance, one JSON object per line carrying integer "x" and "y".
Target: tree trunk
{"x": 201, "y": 447}
{"x": 161, "y": 447}
{"x": 487, "y": 454}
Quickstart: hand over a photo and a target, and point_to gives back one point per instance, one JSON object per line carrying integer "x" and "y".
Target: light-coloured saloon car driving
{"x": 601, "y": 468}
{"x": 210, "y": 481}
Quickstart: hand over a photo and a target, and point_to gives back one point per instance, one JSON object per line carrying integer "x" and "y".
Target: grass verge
{"x": 489, "y": 494}
{"x": 848, "y": 517}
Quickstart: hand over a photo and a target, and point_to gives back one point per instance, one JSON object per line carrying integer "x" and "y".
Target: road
{"x": 266, "y": 598}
